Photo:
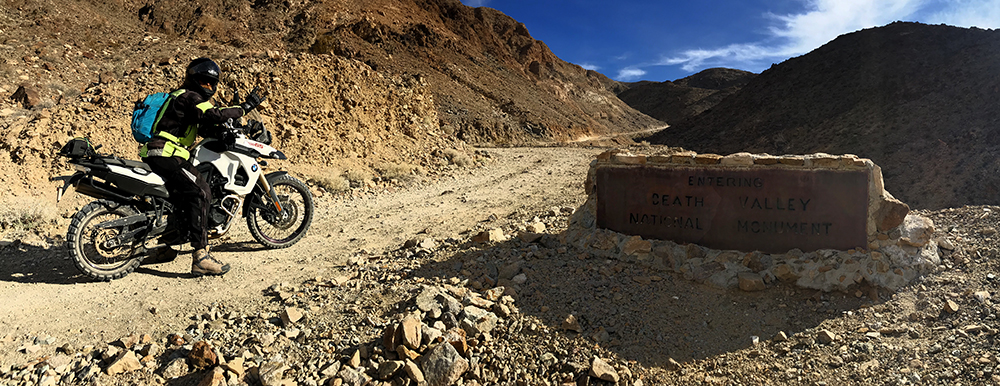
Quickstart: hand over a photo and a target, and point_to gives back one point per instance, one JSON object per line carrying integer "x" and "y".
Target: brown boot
{"x": 202, "y": 263}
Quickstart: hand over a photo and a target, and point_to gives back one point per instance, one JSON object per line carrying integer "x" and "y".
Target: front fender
{"x": 274, "y": 175}
{"x": 254, "y": 199}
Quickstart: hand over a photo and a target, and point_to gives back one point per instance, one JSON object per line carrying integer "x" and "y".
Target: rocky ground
{"x": 466, "y": 280}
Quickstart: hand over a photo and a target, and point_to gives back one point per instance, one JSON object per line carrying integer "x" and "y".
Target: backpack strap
{"x": 159, "y": 115}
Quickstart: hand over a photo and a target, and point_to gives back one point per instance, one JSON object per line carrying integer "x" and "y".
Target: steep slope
{"x": 673, "y": 102}
{"x": 491, "y": 80}
{"x": 352, "y": 84}
{"x": 919, "y": 100}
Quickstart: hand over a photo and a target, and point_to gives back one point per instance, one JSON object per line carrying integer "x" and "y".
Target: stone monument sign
{"x": 749, "y": 220}
{"x": 767, "y": 209}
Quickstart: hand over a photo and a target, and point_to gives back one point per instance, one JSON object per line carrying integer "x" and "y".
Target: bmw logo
{"x": 253, "y": 168}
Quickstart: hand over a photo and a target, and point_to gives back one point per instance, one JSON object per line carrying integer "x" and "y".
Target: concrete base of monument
{"x": 892, "y": 260}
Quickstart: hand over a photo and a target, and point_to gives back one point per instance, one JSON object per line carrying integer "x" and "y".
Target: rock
{"x": 236, "y": 366}
{"x": 982, "y": 296}
{"x": 494, "y": 294}
{"x": 176, "y": 340}
{"x": 353, "y": 377}
{"x": 916, "y": 231}
{"x": 950, "y": 306}
{"x": 429, "y": 334}
{"x": 151, "y": 349}
{"x": 427, "y": 243}
{"x": 549, "y": 359}
{"x": 411, "y": 333}
{"x": 416, "y": 375}
{"x": 537, "y": 227}
{"x": 129, "y": 341}
{"x": 48, "y": 379}
{"x": 202, "y": 355}
{"x": 737, "y": 159}
{"x": 891, "y": 213}
{"x": 490, "y": 236}
{"x": 443, "y": 366}
{"x": 530, "y": 237}
{"x": 785, "y": 273}
{"x": 510, "y": 270}
{"x": 330, "y": 369}
{"x": 125, "y": 363}
{"x": 478, "y": 321}
{"x": 388, "y": 369}
{"x": 216, "y": 377}
{"x": 355, "y": 359}
{"x": 826, "y": 337}
{"x": 272, "y": 373}
{"x": 175, "y": 369}
{"x": 780, "y": 337}
{"x": 673, "y": 365}
{"x": 602, "y": 370}
{"x": 59, "y": 363}
{"x": 750, "y": 282}
{"x": 27, "y": 96}
{"x": 635, "y": 245}
{"x": 405, "y": 353}
{"x": 290, "y": 315}
{"x": 389, "y": 336}
{"x": 571, "y": 324}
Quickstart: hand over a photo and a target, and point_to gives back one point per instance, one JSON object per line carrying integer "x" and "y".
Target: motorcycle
{"x": 109, "y": 237}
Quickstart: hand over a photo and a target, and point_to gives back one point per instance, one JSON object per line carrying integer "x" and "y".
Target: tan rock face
{"x": 890, "y": 214}
{"x": 202, "y": 355}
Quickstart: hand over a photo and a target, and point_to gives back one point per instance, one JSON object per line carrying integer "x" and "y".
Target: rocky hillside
{"x": 919, "y": 100}
{"x": 366, "y": 85}
{"x": 673, "y": 102}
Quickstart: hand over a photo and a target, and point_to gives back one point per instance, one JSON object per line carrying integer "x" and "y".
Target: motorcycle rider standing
{"x": 185, "y": 117}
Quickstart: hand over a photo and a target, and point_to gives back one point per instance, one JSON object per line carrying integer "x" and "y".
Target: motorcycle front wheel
{"x": 282, "y": 230}
{"x": 93, "y": 247}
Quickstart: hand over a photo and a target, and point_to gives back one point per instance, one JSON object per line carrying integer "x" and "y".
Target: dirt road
{"x": 44, "y": 295}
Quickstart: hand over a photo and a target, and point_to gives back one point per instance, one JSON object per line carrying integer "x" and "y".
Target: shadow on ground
{"x": 642, "y": 314}
{"x": 24, "y": 263}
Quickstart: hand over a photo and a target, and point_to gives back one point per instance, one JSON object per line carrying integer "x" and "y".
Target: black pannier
{"x": 78, "y": 147}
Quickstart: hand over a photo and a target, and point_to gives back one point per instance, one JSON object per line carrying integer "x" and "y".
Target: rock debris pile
{"x": 514, "y": 307}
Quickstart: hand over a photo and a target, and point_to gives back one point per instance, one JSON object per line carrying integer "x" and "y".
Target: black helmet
{"x": 202, "y": 70}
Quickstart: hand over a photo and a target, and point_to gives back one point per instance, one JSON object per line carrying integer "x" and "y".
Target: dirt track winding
{"x": 45, "y": 295}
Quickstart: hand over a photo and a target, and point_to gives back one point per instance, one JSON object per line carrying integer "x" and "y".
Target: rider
{"x": 188, "y": 115}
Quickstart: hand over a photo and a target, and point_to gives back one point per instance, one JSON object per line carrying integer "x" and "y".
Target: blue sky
{"x": 630, "y": 40}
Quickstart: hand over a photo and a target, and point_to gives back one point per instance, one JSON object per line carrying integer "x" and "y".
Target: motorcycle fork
{"x": 270, "y": 193}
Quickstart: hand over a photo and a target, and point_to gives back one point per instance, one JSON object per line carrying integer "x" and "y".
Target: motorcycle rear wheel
{"x": 89, "y": 247}
{"x": 274, "y": 232}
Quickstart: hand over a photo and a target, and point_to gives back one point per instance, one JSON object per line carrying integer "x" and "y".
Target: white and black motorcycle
{"x": 110, "y": 237}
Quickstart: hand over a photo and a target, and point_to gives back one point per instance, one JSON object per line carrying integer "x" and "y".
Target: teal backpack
{"x": 147, "y": 113}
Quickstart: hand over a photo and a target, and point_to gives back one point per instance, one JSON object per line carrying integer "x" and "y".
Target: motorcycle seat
{"x": 127, "y": 163}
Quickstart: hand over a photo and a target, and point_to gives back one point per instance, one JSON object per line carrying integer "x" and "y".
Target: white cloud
{"x": 823, "y": 20}
{"x": 476, "y": 3}
{"x": 629, "y": 74}
{"x": 966, "y": 13}
{"x": 590, "y": 66}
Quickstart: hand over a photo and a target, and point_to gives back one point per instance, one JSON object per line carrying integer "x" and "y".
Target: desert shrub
{"x": 20, "y": 216}
{"x": 458, "y": 158}
{"x": 399, "y": 171}
{"x": 333, "y": 183}
{"x": 358, "y": 174}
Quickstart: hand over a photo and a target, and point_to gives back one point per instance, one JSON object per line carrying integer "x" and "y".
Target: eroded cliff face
{"x": 492, "y": 81}
{"x": 351, "y": 84}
